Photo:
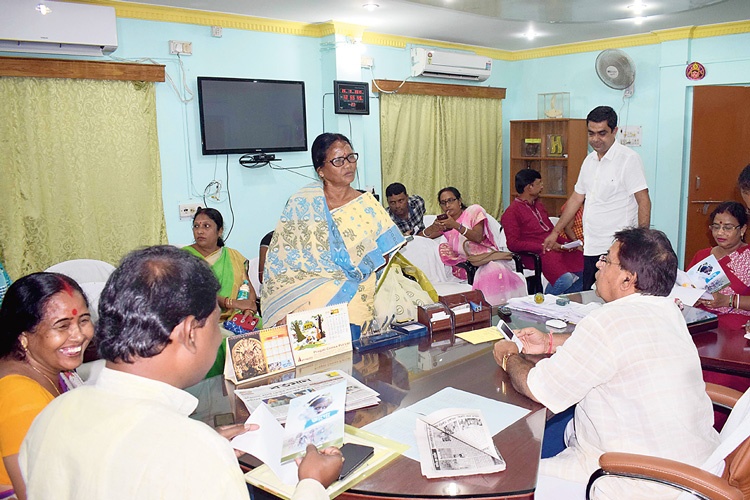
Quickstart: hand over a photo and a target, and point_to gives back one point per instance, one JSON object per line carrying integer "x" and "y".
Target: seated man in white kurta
{"x": 129, "y": 435}
{"x": 630, "y": 366}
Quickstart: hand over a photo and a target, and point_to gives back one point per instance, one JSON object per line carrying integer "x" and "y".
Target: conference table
{"x": 406, "y": 373}
{"x": 403, "y": 375}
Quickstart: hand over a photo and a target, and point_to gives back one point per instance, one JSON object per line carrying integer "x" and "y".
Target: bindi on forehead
{"x": 74, "y": 311}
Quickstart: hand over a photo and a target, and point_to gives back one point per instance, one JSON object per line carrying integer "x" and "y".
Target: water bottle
{"x": 244, "y": 292}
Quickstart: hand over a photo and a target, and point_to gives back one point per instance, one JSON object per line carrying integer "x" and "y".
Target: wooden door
{"x": 720, "y": 149}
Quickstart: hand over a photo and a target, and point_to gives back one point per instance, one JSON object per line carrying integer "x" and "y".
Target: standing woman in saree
{"x": 467, "y": 233}
{"x": 329, "y": 242}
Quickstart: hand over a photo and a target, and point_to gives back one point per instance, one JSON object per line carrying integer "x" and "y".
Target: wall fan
{"x": 616, "y": 70}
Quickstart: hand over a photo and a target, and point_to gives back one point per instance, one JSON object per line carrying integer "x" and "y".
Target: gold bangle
{"x": 227, "y": 303}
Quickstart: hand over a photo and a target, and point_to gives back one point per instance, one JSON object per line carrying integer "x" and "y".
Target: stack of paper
{"x": 573, "y": 312}
{"x": 278, "y": 396}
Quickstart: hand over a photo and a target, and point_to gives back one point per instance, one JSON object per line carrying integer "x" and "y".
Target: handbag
{"x": 480, "y": 259}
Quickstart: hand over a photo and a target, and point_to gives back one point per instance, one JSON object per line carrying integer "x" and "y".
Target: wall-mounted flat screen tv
{"x": 251, "y": 116}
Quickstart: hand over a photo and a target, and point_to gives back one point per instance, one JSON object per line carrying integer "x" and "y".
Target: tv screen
{"x": 251, "y": 116}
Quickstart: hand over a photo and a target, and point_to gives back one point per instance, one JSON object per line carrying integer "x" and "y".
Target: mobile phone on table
{"x": 354, "y": 456}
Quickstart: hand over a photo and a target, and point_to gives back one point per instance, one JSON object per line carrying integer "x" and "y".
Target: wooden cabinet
{"x": 555, "y": 148}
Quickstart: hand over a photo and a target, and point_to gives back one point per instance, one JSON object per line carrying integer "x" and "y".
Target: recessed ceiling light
{"x": 530, "y": 34}
{"x": 43, "y": 9}
{"x": 638, "y": 7}
{"x": 370, "y": 6}
{"x": 638, "y": 20}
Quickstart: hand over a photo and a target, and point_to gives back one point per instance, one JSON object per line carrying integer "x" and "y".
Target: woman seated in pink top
{"x": 526, "y": 225}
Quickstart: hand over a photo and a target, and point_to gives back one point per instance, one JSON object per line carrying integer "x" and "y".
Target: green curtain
{"x": 80, "y": 171}
{"x": 430, "y": 142}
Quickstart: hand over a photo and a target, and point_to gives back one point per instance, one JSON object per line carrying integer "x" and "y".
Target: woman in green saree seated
{"x": 329, "y": 242}
{"x": 229, "y": 266}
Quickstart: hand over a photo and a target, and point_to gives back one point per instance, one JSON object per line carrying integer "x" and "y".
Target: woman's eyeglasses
{"x": 447, "y": 202}
{"x": 340, "y": 160}
{"x": 726, "y": 227}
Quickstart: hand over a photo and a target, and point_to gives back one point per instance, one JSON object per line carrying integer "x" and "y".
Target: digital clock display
{"x": 351, "y": 97}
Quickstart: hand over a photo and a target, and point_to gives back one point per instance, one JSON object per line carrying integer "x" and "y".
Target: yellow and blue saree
{"x": 319, "y": 257}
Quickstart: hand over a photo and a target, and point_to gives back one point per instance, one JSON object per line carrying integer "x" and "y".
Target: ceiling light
{"x": 43, "y": 9}
{"x": 638, "y": 7}
{"x": 370, "y": 6}
{"x": 531, "y": 34}
{"x": 638, "y": 20}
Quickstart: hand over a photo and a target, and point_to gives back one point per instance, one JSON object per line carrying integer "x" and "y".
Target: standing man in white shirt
{"x": 630, "y": 367}
{"x": 613, "y": 184}
{"x": 129, "y": 435}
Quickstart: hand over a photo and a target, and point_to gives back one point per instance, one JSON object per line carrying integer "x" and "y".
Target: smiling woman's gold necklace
{"x": 48, "y": 379}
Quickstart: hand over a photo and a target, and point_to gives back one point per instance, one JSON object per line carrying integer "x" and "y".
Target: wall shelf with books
{"x": 555, "y": 148}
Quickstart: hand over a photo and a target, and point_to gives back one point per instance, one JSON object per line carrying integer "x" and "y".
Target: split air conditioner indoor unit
{"x": 49, "y": 27}
{"x": 456, "y": 65}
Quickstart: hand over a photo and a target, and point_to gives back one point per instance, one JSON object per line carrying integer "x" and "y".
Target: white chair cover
{"x": 84, "y": 270}
{"x": 252, "y": 271}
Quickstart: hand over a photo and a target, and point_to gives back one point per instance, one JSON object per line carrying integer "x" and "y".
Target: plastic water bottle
{"x": 244, "y": 292}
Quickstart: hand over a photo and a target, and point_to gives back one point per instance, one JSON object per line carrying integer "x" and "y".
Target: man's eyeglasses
{"x": 605, "y": 259}
{"x": 447, "y": 202}
{"x": 340, "y": 160}
{"x": 726, "y": 227}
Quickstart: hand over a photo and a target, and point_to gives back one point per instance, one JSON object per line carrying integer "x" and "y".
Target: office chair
{"x": 734, "y": 451}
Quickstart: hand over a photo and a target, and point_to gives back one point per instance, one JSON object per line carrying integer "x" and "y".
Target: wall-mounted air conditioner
{"x": 57, "y": 27}
{"x": 440, "y": 64}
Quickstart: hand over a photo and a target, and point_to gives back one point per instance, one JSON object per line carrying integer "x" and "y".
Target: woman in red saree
{"x": 728, "y": 227}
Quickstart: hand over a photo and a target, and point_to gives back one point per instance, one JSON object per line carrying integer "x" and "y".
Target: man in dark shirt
{"x": 405, "y": 211}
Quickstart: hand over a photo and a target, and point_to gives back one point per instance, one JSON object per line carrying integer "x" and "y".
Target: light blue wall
{"x": 661, "y": 105}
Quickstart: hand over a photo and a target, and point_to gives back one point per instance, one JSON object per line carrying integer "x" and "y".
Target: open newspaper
{"x": 278, "y": 396}
{"x": 456, "y": 442}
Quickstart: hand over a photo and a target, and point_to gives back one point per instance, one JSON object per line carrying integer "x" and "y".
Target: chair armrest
{"x": 682, "y": 476}
{"x": 517, "y": 260}
{"x": 723, "y": 396}
{"x": 470, "y": 269}
{"x": 535, "y": 283}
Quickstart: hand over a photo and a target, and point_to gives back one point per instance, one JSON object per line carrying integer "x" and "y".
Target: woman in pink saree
{"x": 466, "y": 230}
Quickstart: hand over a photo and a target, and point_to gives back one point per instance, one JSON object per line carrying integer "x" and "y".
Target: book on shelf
{"x": 532, "y": 147}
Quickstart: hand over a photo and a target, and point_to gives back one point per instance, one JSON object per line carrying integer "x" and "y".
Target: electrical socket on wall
{"x": 182, "y": 48}
{"x": 631, "y": 135}
{"x": 187, "y": 210}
